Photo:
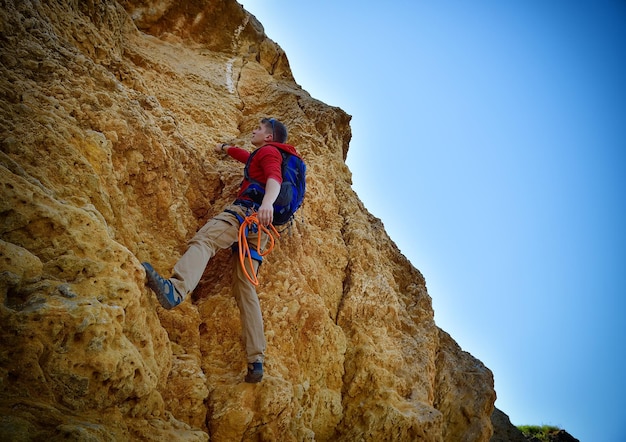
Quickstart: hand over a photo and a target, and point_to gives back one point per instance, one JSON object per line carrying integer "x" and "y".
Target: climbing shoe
{"x": 255, "y": 373}
{"x": 163, "y": 288}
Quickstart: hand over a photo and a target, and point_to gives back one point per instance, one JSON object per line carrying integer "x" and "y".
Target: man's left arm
{"x": 266, "y": 211}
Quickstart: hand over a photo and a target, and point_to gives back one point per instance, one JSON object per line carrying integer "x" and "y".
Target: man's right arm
{"x": 235, "y": 152}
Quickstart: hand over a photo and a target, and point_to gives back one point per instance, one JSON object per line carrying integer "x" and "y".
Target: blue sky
{"x": 490, "y": 138}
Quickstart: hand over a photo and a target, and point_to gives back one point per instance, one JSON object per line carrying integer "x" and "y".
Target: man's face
{"x": 261, "y": 135}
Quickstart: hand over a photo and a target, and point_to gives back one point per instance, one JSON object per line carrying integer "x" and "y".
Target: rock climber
{"x": 221, "y": 232}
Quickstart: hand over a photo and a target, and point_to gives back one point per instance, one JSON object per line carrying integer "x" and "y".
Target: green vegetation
{"x": 542, "y": 432}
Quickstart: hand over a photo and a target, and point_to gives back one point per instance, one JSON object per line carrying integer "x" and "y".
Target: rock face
{"x": 504, "y": 430}
{"x": 108, "y": 115}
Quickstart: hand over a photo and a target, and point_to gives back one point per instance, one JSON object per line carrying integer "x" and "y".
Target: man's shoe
{"x": 255, "y": 373}
{"x": 163, "y": 288}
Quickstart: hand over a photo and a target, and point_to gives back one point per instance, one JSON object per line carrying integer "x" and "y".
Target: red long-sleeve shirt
{"x": 266, "y": 163}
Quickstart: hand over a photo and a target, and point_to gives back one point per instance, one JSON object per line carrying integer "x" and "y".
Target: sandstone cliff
{"x": 109, "y": 112}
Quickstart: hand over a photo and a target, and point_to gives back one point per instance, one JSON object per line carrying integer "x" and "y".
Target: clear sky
{"x": 490, "y": 138}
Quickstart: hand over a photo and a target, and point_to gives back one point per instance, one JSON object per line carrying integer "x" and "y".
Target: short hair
{"x": 279, "y": 131}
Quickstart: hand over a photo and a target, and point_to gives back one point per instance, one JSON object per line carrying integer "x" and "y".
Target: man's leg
{"x": 250, "y": 311}
{"x": 219, "y": 232}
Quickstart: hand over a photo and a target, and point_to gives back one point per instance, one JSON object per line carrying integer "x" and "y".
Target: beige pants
{"x": 221, "y": 232}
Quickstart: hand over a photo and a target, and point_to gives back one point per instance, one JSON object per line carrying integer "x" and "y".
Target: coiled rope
{"x": 244, "y": 247}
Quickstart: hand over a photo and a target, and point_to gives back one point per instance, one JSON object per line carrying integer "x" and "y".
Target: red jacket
{"x": 265, "y": 164}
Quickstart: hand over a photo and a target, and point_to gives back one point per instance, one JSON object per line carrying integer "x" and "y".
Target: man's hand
{"x": 266, "y": 214}
{"x": 221, "y": 147}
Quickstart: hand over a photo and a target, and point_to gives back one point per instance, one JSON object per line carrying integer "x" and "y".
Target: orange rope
{"x": 244, "y": 247}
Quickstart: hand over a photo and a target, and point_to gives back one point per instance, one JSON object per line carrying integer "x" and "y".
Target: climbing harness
{"x": 251, "y": 222}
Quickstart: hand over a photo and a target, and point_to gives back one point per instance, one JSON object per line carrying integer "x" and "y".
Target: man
{"x": 221, "y": 232}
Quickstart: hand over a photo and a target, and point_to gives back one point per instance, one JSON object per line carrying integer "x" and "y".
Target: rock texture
{"x": 108, "y": 114}
{"x": 503, "y": 429}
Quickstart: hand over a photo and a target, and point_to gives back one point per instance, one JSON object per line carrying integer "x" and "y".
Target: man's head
{"x": 270, "y": 129}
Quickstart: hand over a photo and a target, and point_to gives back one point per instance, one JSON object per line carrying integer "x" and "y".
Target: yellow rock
{"x": 108, "y": 116}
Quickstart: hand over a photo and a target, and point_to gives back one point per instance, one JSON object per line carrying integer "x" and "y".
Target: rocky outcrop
{"x": 108, "y": 114}
{"x": 560, "y": 436}
{"x": 504, "y": 430}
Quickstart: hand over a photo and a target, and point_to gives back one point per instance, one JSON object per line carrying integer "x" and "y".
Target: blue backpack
{"x": 292, "y": 188}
